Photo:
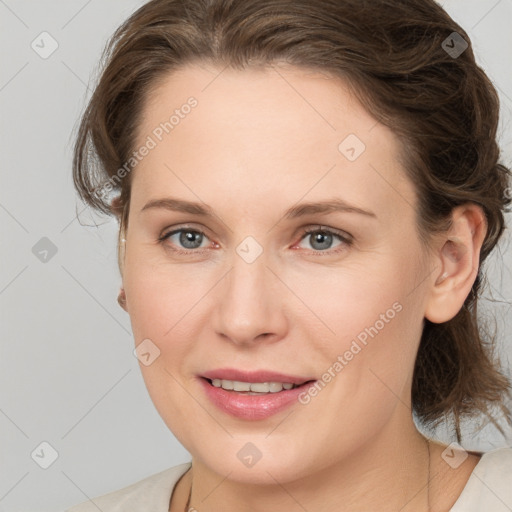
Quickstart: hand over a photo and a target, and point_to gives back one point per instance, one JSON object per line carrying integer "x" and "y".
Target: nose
{"x": 250, "y": 304}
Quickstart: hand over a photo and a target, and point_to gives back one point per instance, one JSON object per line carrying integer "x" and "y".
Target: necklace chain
{"x": 187, "y": 506}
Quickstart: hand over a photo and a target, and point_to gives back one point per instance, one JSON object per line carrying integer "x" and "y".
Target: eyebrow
{"x": 330, "y": 206}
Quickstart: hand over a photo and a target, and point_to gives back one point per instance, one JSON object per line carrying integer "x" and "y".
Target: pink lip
{"x": 252, "y": 407}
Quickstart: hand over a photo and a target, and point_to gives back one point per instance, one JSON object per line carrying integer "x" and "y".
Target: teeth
{"x": 254, "y": 387}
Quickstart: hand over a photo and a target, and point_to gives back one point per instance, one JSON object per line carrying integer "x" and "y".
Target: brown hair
{"x": 408, "y": 69}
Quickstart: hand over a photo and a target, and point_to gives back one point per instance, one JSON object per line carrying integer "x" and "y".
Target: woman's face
{"x": 244, "y": 288}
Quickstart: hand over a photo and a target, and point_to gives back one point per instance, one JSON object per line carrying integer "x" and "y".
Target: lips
{"x": 252, "y": 406}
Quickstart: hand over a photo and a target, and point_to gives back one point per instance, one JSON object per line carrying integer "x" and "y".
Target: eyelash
{"x": 344, "y": 238}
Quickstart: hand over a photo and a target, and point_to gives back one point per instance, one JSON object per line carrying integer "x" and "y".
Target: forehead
{"x": 270, "y": 98}
{"x": 277, "y": 130}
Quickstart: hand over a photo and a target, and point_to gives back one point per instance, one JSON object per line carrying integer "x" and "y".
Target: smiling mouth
{"x": 254, "y": 388}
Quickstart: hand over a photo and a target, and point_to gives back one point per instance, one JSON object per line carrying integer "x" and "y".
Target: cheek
{"x": 161, "y": 296}
{"x": 366, "y": 379}
{"x": 361, "y": 305}
{"x": 367, "y": 360}
{"x": 160, "y": 301}
{"x": 164, "y": 301}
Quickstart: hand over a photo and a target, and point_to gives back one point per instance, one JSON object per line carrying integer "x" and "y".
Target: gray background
{"x": 67, "y": 373}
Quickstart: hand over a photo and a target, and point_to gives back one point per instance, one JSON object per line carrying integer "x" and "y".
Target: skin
{"x": 259, "y": 142}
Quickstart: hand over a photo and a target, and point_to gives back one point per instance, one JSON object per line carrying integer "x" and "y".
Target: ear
{"x": 121, "y": 299}
{"x": 457, "y": 258}
{"x": 116, "y": 206}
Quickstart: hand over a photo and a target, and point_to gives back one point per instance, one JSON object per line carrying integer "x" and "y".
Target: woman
{"x": 306, "y": 194}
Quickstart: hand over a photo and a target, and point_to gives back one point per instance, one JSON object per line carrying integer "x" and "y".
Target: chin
{"x": 262, "y": 473}
{"x": 255, "y": 460}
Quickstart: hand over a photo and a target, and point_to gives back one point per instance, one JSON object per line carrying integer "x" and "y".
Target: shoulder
{"x": 489, "y": 486}
{"x": 151, "y": 493}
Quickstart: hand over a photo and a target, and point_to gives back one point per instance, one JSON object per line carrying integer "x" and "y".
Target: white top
{"x": 489, "y": 488}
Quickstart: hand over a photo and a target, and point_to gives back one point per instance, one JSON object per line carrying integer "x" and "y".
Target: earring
{"x": 121, "y": 299}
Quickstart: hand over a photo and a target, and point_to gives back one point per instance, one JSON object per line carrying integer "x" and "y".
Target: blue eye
{"x": 323, "y": 239}
{"x": 190, "y": 240}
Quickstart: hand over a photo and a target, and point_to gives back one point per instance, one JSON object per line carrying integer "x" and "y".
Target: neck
{"x": 388, "y": 473}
